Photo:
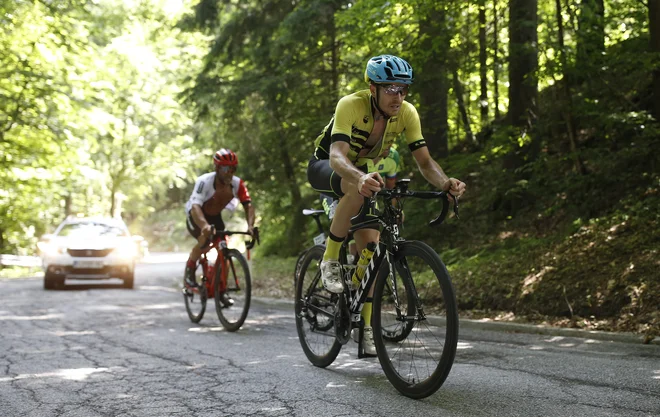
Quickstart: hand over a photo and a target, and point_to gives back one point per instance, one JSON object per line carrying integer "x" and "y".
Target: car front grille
{"x": 89, "y": 253}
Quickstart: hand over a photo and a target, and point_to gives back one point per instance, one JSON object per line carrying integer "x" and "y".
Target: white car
{"x": 89, "y": 248}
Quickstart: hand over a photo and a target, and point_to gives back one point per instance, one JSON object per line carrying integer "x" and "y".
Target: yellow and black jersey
{"x": 353, "y": 122}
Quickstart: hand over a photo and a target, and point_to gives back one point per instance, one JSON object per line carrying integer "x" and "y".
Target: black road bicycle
{"x": 414, "y": 317}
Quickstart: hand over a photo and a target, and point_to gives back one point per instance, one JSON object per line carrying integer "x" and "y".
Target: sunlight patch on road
{"x": 555, "y": 339}
{"x": 29, "y": 318}
{"x": 206, "y": 329}
{"x": 463, "y": 345}
{"x": 536, "y": 348}
{"x": 158, "y": 288}
{"x": 78, "y": 374}
{"x": 73, "y": 333}
{"x": 158, "y": 306}
{"x": 657, "y": 374}
{"x": 334, "y": 385}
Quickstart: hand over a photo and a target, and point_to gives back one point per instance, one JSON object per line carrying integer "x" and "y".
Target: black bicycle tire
{"x": 296, "y": 272}
{"x": 203, "y": 297}
{"x": 315, "y": 253}
{"x": 229, "y": 325}
{"x": 431, "y": 384}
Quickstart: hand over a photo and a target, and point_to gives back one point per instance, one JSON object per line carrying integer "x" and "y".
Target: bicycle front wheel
{"x": 233, "y": 301}
{"x": 419, "y": 359}
{"x": 315, "y": 311}
{"x": 195, "y": 298}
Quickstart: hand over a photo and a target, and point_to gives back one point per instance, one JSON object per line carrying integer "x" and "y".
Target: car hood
{"x": 93, "y": 243}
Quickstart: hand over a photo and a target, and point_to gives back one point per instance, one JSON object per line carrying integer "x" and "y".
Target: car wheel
{"x": 128, "y": 280}
{"x": 52, "y": 281}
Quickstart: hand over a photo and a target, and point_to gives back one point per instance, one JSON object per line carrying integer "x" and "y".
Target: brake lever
{"x": 455, "y": 204}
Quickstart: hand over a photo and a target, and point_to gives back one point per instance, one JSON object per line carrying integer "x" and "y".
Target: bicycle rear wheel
{"x": 418, "y": 363}
{"x": 195, "y": 298}
{"x": 315, "y": 311}
{"x": 232, "y": 303}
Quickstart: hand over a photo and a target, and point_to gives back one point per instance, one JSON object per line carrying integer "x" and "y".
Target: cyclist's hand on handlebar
{"x": 371, "y": 183}
{"x": 455, "y": 187}
{"x": 207, "y": 231}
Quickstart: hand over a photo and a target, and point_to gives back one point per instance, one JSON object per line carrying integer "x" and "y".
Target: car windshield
{"x": 91, "y": 230}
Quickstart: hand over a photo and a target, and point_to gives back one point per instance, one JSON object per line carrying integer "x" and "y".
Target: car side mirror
{"x": 47, "y": 237}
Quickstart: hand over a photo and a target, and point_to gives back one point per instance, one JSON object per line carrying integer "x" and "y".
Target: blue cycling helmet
{"x": 388, "y": 68}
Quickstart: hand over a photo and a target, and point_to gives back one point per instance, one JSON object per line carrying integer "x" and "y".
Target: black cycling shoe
{"x": 189, "y": 278}
{"x": 226, "y": 300}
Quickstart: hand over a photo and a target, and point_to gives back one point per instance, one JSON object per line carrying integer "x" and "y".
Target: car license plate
{"x": 88, "y": 264}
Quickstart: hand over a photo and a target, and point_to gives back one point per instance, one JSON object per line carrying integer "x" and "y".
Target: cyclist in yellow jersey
{"x": 364, "y": 127}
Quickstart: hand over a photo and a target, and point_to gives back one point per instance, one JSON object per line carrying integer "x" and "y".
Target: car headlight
{"x": 50, "y": 249}
{"x": 126, "y": 251}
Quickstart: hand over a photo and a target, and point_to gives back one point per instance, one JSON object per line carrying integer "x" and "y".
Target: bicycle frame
{"x": 220, "y": 244}
{"x": 386, "y": 247}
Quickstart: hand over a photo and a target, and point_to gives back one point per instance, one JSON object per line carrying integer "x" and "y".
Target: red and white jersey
{"x": 213, "y": 200}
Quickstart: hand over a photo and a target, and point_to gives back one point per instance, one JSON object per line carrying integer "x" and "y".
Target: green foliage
{"x": 110, "y": 108}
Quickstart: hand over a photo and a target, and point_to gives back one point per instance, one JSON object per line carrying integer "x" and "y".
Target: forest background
{"x": 548, "y": 110}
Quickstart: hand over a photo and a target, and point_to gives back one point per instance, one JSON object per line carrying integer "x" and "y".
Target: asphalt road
{"x": 99, "y": 350}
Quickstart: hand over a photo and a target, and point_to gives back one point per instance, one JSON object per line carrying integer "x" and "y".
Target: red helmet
{"x": 225, "y": 157}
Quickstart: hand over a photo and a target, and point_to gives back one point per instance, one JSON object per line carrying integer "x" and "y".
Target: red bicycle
{"x": 224, "y": 273}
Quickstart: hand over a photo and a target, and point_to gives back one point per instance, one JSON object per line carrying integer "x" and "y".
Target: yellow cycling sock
{"x": 366, "y": 313}
{"x": 332, "y": 246}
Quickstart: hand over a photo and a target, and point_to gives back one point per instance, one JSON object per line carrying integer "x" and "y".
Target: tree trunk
{"x": 496, "y": 62}
{"x": 433, "y": 96}
{"x": 590, "y": 35}
{"x": 332, "y": 34}
{"x": 67, "y": 205}
{"x": 523, "y": 62}
{"x": 523, "y": 83}
{"x": 568, "y": 109}
{"x": 654, "y": 29}
{"x": 459, "y": 93}
{"x": 483, "y": 69}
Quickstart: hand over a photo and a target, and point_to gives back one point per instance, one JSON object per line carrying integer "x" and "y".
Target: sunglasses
{"x": 225, "y": 168}
{"x": 392, "y": 90}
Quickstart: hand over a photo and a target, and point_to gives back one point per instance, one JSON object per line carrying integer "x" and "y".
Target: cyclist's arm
{"x": 390, "y": 182}
{"x": 244, "y": 197}
{"x": 340, "y": 163}
{"x": 249, "y": 215}
{"x": 430, "y": 169}
{"x": 200, "y": 220}
{"x": 435, "y": 175}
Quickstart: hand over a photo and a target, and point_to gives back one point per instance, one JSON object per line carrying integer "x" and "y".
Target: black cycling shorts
{"x": 323, "y": 179}
{"x": 195, "y": 231}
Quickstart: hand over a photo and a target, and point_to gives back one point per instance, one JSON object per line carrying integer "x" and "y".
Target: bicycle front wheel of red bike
{"x": 233, "y": 302}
